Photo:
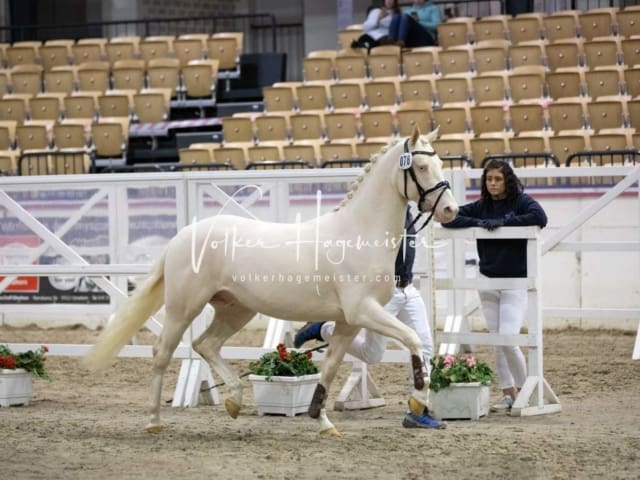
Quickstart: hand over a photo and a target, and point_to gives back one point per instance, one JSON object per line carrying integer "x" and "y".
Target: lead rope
{"x": 246, "y": 374}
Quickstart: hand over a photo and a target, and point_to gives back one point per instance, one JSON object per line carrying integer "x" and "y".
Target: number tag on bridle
{"x": 405, "y": 161}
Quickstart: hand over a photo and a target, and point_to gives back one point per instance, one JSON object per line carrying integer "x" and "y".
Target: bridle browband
{"x": 442, "y": 186}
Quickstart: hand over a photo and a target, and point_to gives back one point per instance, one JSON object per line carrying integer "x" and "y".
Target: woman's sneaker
{"x": 504, "y": 405}
{"x": 422, "y": 421}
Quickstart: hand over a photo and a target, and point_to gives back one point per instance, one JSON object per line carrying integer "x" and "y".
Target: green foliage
{"x": 283, "y": 363}
{"x": 463, "y": 369}
{"x": 32, "y": 361}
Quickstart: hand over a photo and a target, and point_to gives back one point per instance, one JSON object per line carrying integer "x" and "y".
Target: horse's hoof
{"x": 232, "y": 408}
{"x": 154, "y": 428}
{"x": 416, "y": 407}
{"x": 331, "y": 431}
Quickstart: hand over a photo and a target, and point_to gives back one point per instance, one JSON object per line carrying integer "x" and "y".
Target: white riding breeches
{"x": 407, "y": 305}
{"x": 504, "y": 311}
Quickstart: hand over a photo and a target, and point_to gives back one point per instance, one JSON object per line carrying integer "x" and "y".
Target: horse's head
{"x": 421, "y": 178}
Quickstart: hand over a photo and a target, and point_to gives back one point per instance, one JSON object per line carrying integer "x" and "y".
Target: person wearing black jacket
{"x": 503, "y": 203}
{"x": 407, "y": 305}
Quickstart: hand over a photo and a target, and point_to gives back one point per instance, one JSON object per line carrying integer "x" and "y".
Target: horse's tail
{"x": 128, "y": 319}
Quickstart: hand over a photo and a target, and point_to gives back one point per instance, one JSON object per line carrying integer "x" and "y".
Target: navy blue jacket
{"x": 502, "y": 257}
{"x": 404, "y": 263}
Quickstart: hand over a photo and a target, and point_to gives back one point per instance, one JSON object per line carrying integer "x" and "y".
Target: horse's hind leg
{"x": 229, "y": 318}
{"x": 163, "y": 349}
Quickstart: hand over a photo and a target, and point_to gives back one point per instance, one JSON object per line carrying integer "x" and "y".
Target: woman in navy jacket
{"x": 503, "y": 203}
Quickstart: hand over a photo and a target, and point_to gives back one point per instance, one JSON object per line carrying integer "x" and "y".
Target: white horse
{"x": 339, "y": 266}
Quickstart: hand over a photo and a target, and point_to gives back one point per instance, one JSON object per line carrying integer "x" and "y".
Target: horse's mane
{"x": 365, "y": 171}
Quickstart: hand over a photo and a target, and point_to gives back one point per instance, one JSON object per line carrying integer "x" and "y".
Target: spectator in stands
{"x": 417, "y": 25}
{"x": 376, "y": 26}
{"x": 406, "y": 303}
{"x": 503, "y": 203}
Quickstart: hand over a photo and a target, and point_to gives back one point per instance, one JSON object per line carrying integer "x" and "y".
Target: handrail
{"x": 589, "y": 155}
{"x": 452, "y": 159}
{"x": 512, "y": 157}
{"x": 179, "y": 24}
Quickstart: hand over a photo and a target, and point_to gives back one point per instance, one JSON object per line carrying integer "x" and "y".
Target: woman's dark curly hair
{"x": 513, "y": 185}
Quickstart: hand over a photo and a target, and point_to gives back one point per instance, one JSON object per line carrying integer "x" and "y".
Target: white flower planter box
{"x": 15, "y": 387}
{"x": 283, "y": 395}
{"x": 460, "y": 401}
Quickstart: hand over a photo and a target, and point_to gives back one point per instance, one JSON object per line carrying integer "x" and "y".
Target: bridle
{"x": 442, "y": 186}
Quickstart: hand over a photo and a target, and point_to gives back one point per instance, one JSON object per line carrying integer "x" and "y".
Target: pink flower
{"x": 471, "y": 362}
{"x": 449, "y": 360}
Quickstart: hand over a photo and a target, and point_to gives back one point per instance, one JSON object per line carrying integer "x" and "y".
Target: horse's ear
{"x": 415, "y": 135}
{"x": 432, "y": 135}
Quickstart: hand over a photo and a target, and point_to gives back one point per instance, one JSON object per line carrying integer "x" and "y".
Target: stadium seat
{"x": 598, "y": 22}
{"x": 377, "y": 125}
{"x": 347, "y": 96}
{"x": 527, "y": 54}
{"x": 54, "y": 56}
{"x": 418, "y": 88}
{"x": 413, "y": 114}
{"x": 527, "y": 118}
{"x": 312, "y": 97}
{"x": 490, "y": 27}
{"x": 317, "y": 68}
{"x": 152, "y": 105}
{"x": 567, "y": 53}
{"x": 421, "y": 61}
{"x": 381, "y": 94}
{"x": 488, "y": 89}
{"x": 44, "y": 107}
{"x": 561, "y": 24}
{"x": 491, "y": 56}
{"x": 200, "y": 78}
{"x": 455, "y": 31}
{"x": 271, "y": 127}
{"x": 383, "y": 65}
{"x": 69, "y": 136}
{"x": 525, "y": 27}
{"x": 307, "y": 126}
{"x": 128, "y": 74}
{"x": 487, "y": 119}
{"x": 164, "y": 73}
{"x": 341, "y": 125}
{"x": 567, "y": 115}
{"x": 453, "y": 90}
{"x": 350, "y": 66}
{"x": 152, "y": 48}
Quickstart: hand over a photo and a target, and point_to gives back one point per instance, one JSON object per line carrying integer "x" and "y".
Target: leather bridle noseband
{"x": 442, "y": 186}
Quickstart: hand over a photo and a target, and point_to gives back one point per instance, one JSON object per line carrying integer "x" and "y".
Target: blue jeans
{"x": 405, "y": 28}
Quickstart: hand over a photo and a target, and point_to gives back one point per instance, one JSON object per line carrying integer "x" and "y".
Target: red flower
{"x": 282, "y": 351}
{"x": 46, "y": 349}
{"x": 8, "y": 362}
{"x": 309, "y": 355}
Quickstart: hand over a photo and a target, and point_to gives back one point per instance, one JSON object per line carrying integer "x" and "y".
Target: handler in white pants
{"x": 407, "y": 305}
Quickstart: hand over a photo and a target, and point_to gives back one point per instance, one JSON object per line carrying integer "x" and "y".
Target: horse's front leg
{"x": 371, "y": 315}
{"x": 342, "y": 337}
